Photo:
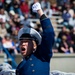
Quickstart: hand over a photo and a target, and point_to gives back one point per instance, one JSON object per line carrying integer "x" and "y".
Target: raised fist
{"x": 36, "y": 6}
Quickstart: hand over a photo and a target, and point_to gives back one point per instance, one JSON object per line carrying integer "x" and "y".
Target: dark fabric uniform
{"x": 38, "y": 63}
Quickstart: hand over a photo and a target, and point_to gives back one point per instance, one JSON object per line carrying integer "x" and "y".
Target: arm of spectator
{"x": 64, "y": 49}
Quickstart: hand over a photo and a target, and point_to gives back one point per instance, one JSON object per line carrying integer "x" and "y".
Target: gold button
{"x": 32, "y": 64}
{"x": 33, "y": 70}
{"x": 30, "y": 58}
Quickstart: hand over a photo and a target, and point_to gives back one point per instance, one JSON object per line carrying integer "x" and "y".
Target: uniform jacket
{"x": 38, "y": 63}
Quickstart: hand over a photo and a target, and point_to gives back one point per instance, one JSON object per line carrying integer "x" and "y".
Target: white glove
{"x": 36, "y": 7}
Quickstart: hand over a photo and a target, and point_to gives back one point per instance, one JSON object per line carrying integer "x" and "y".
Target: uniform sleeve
{"x": 47, "y": 38}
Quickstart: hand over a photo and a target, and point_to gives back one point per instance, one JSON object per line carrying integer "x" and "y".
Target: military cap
{"x": 29, "y": 33}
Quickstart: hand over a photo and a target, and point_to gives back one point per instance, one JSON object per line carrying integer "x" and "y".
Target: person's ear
{"x": 34, "y": 45}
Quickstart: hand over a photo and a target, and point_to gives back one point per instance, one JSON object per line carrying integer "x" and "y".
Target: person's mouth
{"x": 23, "y": 49}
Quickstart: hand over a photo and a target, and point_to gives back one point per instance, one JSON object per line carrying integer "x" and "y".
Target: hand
{"x": 36, "y": 7}
{"x": 36, "y": 1}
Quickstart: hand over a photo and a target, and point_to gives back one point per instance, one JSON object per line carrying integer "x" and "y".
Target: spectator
{"x": 9, "y": 26}
{"x": 73, "y": 6}
{"x": 3, "y": 30}
{"x": 45, "y": 4}
{"x": 73, "y": 34}
{"x": 54, "y": 7}
{"x": 13, "y": 28}
{"x": 73, "y": 45}
{"x": 3, "y": 15}
{"x": 66, "y": 16}
{"x": 70, "y": 10}
{"x": 15, "y": 39}
{"x": 16, "y": 18}
{"x": 9, "y": 44}
{"x": 68, "y": 35}
{"x": 16, "y": 7}
{"x": 1, "y": 4}
{"x": 72, "y": 21}
{"x": 26, "y": 21}
{"x": 48, "y": 12}
{"x": 11, "y": 14}
{"x": 65, "y": 46}
{"x": 61, "y": 33}
{"x": 8, "y": 5}
{"x": 24, "y": 6}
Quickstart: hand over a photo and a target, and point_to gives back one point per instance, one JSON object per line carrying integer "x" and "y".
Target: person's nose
{"x": 23, "y": 44}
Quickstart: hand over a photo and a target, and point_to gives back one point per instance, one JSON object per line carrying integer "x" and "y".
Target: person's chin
{"x": 23, "y": 53}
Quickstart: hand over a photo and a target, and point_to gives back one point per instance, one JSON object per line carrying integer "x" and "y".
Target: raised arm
{"x": 48, "y": 32}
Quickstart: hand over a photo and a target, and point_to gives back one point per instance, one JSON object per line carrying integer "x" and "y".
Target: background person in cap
{"x": 36, "y": 50}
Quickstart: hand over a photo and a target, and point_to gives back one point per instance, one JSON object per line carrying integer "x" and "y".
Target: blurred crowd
{"x": 15, "y": 14}
{"x": 65, "y": 41}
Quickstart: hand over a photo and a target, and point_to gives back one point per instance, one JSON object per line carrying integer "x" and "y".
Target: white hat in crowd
{"x": 12, "y": 12}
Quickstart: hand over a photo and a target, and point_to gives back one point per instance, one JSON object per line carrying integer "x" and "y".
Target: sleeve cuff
{"x": 43, "y": 17}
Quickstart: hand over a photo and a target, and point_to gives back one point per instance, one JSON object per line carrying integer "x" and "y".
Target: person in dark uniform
{"x": 36, "y": 49}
